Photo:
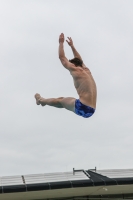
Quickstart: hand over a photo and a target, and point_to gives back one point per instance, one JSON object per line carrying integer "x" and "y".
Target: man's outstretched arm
{"x": 75, "y": 52}
{"x": 62, "y": 56}
{"x": 61, "y": 51}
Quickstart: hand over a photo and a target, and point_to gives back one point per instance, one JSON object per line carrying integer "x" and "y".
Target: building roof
{"x": 76, "y": 184}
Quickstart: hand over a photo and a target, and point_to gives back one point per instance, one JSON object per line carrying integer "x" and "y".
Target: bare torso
{"x": 85, "y": 86}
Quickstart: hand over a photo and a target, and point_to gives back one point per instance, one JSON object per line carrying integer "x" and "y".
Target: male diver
{"x": 83, "y": 81}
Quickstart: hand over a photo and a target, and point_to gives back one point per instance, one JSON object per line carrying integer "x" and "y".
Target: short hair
{"x": 76, "y": 62}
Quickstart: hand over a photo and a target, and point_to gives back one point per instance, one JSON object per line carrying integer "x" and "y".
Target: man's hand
{"x": 69, "y": 41}
{"x": 61, "y": 38}
{"x": 75, "y": 53}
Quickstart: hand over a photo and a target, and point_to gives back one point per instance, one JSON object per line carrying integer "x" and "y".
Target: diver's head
{"x": 77, "y": 62}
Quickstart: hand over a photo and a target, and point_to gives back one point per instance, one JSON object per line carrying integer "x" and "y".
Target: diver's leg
{"x": 68, "y": 103}
{"x": 61, "y": 102}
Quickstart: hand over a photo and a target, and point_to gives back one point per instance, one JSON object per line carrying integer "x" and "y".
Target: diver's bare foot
{"x": 39, "y": 100}
{"x": 42, "y": 101}
{"x": 37, "y": 97}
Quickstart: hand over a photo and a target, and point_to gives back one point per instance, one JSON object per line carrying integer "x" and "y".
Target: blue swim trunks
{"x": 83, "y": 110}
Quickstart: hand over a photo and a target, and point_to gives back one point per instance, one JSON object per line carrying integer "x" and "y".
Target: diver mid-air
{"x": 84, "y": 83}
